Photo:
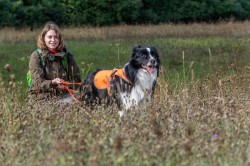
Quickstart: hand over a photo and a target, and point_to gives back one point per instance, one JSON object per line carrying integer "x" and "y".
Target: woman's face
{"x": 51, "y": 40}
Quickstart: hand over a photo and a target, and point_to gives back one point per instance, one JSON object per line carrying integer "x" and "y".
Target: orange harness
{"x": 102, "y": 78}
{"x": 101, "y": 81}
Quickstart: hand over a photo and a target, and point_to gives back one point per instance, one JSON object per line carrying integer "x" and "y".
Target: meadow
{"x": 199, "y": 115}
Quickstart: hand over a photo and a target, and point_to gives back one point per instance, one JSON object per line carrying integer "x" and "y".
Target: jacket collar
{"x": 61, "y": 53}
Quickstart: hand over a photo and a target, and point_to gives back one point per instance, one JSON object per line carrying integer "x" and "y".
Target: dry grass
{"x": 196, "y": 122}
{"x": 229, "y": 29}
{"x": 200, "y": 123}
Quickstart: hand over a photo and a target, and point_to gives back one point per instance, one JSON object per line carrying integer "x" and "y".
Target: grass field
{"x": 199, "y": 116}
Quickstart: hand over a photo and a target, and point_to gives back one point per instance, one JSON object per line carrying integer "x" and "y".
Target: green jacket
{"x": 42, "y": 77}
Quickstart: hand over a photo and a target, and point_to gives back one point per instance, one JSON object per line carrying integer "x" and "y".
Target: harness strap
{"x": 119, "y": 73}
{"x": 111, "y": 78}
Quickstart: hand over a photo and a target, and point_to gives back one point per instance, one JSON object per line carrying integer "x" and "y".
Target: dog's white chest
{"x": 133, "y": 98}
{"x": 140, "y": 95}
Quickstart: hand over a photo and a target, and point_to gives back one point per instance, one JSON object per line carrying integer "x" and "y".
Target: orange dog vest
{"x": 103, "y": 77}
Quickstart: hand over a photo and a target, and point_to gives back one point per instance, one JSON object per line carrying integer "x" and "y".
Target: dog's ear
{"x": 134, "y": 50}
{"x": 155, "y": 50}
{"x": 156, "y": 55}
{"x": 135, "y": 47}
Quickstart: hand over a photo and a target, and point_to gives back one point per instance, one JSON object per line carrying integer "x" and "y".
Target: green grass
{"x": 227, "y": 55}
{"x": 177, "y": 129}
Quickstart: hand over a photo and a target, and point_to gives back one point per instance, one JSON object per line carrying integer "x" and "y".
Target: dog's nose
{"x": 152, "y": 61}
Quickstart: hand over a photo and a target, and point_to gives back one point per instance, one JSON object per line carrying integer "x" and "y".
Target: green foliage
{"x": 105, "y": 12}
{"x": 6, "y": 15}
{"x": 209, "y": 54}
{"x": 34, "y": 13}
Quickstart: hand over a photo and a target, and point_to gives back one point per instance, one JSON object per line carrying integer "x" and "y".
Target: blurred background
{"x": 34, "y": 13}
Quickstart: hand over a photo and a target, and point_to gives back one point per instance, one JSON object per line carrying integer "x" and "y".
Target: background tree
{"x": 34, "y": 13}
{"x": 6, "y": 15}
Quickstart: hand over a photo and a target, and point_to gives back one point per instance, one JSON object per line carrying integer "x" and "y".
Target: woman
{"x": 51, "y": 64}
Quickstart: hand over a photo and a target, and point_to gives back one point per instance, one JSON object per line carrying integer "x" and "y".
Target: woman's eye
{"x": 53, "y": 37}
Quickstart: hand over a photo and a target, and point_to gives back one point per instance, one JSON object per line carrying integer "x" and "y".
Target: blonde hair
{"x": 50, "y": 26}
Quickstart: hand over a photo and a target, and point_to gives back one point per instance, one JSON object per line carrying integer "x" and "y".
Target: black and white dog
{"x": 131, "y": 86}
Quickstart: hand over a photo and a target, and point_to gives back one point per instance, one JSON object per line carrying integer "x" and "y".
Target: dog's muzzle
{"x": 150, "y": 66}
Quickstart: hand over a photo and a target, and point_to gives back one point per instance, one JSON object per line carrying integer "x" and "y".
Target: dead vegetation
{"x": 197, "y": 122}
{"x": 229, "y": 29}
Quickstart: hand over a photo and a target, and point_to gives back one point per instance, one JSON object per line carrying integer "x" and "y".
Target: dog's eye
{"x": 144, "y": 55}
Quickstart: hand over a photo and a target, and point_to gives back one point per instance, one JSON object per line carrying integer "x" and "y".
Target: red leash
{"x": 70, "y": 83}
{"x": 71, "y": 91}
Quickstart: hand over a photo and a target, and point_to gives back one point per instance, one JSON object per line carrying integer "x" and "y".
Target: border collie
{"x": 130, "y": 87}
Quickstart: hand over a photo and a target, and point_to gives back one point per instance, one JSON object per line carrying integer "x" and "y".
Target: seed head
{"x": 12, "y": 77}
{"x": 7, "y": 67}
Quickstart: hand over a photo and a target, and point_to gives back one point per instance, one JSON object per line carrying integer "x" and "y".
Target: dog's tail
{"x": 89, "y": 79}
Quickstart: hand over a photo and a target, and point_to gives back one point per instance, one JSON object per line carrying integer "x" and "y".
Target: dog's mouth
{"x": 149, "y": 68}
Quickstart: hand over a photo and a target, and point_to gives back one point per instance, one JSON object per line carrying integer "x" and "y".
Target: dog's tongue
{"x": 150, "y": 69}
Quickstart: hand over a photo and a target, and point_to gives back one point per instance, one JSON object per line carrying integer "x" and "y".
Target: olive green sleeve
{"x": 39, "y": 81}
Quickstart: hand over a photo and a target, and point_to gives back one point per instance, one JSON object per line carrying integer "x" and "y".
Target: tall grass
{"x": 203, "y": 123}
{"x": 222, "y": 29}
{"x": 199, "y": 115}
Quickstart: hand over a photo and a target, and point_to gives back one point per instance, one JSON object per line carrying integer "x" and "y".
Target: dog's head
{"x": 145, "y": 58}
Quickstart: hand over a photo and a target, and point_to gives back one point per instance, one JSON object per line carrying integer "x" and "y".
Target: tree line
{"x": 34, "y": 13}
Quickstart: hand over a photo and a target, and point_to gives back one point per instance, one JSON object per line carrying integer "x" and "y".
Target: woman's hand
{"x": 58, "y": 81}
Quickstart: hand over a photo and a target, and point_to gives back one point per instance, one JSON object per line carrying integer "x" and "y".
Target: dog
{"x": 129, "y": 87}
